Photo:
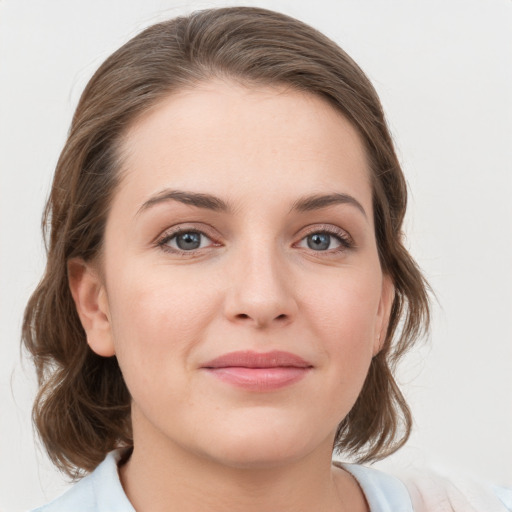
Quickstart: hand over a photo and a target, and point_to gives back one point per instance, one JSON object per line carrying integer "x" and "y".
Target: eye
{"x": 185, "y": 241}
{"x": 326, "y": 241}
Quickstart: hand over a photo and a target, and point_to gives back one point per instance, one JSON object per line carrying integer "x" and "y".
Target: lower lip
{"x": 260, "y": 379}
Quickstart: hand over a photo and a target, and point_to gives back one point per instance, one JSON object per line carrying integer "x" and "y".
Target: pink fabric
{"x": 434, "y": 493}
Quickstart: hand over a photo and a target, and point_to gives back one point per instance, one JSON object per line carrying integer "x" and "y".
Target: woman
{"x": 226, "y": 277}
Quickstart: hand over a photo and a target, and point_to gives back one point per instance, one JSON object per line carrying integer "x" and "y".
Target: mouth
{"x": 258, "y": 371}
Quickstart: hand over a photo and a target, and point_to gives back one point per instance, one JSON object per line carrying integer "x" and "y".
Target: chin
{"x": 260, "y": 447}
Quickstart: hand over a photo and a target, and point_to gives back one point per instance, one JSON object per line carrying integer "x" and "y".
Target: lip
{"x": 258, "y": 371}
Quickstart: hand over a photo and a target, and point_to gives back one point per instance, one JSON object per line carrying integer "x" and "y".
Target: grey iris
{"x": 319, "y": 241}
{"x": 188, "y": 241}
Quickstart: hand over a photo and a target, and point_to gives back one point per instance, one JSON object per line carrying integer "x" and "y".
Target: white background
{"x": 443, "y": 69}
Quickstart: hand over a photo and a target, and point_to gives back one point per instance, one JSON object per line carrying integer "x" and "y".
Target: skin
{"x": 253, "y": 284}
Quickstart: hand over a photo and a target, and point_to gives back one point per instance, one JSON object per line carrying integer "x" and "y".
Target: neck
{"x": 161, "y": 480}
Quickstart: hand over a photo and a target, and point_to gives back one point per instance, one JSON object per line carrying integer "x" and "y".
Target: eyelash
{"x": 345, "y": 240}
{"x": 168, "y": 236}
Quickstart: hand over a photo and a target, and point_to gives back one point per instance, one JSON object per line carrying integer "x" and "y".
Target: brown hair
{"x": 82, "y": 410}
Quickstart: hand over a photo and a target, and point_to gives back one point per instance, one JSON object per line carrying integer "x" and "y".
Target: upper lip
{"x": 250, "y": 359}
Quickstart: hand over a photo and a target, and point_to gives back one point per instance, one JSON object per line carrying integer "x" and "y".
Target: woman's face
{"x": 242, "y": 292}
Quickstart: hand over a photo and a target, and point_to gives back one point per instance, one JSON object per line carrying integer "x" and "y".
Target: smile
{"x": 258, "y": 371}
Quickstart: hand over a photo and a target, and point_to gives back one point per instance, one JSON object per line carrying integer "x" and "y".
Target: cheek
{"x": 157, "y": 319}
{"x": 343, "y": 317}
{"x": 347, "y": 304}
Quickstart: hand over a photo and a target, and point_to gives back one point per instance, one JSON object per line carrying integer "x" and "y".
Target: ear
{"x": 383, "y": 313}
{"x": 91, "y": 301}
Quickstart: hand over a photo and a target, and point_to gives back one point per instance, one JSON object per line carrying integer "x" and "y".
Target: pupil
{"x": 319, "y": 241}
{"x": 187, "y": 241}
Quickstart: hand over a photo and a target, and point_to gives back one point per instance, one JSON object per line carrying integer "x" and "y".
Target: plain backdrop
{"x": 443, "y": 69}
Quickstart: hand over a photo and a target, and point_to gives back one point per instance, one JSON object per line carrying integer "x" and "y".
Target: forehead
{"x": 228, "y": 137}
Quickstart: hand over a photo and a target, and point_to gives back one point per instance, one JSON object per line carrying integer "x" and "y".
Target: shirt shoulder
{"x": 100, "y": 491}
{"x": 427, "y": 492}
{"x": 504, "y": 494}
{"x": 80, "y": 498}
{"x": 383, "y": 492}
{"x": 431, "y": 491}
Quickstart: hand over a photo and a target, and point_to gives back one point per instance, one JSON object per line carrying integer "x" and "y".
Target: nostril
{"x": 245, "y": 316}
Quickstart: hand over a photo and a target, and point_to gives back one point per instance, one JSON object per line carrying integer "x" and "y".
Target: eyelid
{"x": 173, "y": 231}
{"x": 344, "y": 236}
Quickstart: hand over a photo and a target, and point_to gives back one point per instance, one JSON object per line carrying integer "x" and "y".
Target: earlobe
{"x": 91, "y": 302}
{"x": 384, "y": 311}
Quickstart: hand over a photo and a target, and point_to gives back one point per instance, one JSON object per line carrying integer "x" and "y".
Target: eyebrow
{"x": 319, "y": 201}
{"x": 196, "y": 199}
{"x": 211, "y": 202}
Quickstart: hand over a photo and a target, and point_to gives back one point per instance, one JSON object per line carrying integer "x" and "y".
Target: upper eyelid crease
{"x": 330, "y": 229}
{"x": 171, "y": 233}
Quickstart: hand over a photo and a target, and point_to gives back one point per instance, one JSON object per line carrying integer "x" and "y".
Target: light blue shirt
{"x": 101, "y": 491}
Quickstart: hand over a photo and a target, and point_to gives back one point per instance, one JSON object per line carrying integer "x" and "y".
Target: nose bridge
{"x": 260, "y": 291}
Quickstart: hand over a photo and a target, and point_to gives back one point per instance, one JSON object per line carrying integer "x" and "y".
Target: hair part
{"x": 82, "y": 410}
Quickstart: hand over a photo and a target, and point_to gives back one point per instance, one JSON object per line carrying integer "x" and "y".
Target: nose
{"x": 260, "y": 290}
